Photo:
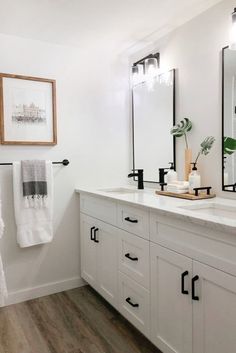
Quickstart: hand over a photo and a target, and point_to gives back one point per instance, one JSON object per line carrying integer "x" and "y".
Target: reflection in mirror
{"x": 229, "y": 119}
{"x": 153, "y": 118}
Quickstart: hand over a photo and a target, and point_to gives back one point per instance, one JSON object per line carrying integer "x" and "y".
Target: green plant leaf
{"x": 206, "y": 145}
{"x": 182, "y": 128}
{"x": 229, "y": 145}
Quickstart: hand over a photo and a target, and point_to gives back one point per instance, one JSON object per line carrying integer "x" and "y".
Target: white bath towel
{"x": 34, "y": 225}
{"x": 3, "y": 286}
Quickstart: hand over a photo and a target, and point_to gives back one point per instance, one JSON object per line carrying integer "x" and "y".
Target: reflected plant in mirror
{"x": 228, "y": 119}
{"x": 229, "y": 149}
{"x": 181, "y": 130}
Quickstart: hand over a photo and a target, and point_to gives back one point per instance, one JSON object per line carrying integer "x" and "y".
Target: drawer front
{"x": 207, "y": 246}
{"x": 134, "y": 303}
{"x": 134, "y": 220}
{"x": 99, "y": 208}
{"x": 134, "y": 257}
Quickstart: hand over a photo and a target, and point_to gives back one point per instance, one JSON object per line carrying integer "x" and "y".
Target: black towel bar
{"x": 65, "y": 162}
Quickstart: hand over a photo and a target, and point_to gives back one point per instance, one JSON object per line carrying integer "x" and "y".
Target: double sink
{"x": 211, "y": 208}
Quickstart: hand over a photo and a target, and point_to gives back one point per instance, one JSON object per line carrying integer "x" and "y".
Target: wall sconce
{"x": 146, "y": 69}
{"x": 232, "y": 44}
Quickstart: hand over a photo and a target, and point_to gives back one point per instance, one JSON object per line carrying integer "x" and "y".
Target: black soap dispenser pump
{"x": 194, "y": 179}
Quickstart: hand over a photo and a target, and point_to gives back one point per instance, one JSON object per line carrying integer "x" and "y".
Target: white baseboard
{"x": 45, "y": 289}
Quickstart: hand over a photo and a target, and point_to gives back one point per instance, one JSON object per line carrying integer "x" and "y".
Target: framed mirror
{"x": 228, "y": 120}
{"x": 153, "y": 115}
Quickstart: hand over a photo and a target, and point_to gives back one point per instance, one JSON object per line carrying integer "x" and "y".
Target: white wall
{"x": 92, "y": 134}
{"x": 194, "y": 49}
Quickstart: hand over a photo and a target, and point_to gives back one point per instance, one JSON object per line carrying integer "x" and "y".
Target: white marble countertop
{"x": 221, "y": 215}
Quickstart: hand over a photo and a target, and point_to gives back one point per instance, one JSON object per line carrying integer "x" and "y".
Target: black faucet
{"x": 137, "y": 173}
{"x": 162, "y": 173}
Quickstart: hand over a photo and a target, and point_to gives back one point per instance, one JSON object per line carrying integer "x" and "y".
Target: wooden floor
{"x": 76, "y": 321}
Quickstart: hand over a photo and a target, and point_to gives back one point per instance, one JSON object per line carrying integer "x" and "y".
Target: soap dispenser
{"x": 171, "y": 175}
{"x": 194, "y": 179}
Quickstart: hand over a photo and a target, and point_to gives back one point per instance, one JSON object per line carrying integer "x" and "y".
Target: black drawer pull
{"x": 130, "y": 257}
{"x": 131, "y": 220}
{"x": 183, "y": 275}
{"x": 194, "y": 279}
{"x": 95, "y": 235}
{"x": 128, "y": 300}
{"x": 91, "y": 233}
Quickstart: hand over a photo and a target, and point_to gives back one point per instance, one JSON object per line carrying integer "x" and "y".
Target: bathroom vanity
{"x": 167, "y": 265}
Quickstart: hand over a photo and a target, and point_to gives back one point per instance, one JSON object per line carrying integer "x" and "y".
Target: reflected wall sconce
{"x": 145, "y": 69}
{"x": 232, "y": 44}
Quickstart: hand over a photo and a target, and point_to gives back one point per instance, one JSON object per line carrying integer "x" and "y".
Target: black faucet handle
{"x": 137, "y": 170}
{"x": 164, "y": 169}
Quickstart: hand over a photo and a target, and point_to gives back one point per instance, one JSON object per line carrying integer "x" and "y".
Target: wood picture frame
{"x": 27, "y": 110}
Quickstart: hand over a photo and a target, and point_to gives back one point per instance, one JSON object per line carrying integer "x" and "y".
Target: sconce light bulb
{"x": 137, "y": 74}
{"x": 151, "y": 71}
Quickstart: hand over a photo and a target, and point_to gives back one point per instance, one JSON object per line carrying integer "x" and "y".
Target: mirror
{"x": 229, "y": 120}
{"x": 153, "y": 115}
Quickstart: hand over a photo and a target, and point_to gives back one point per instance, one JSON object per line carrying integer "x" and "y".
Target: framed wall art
{"x": 27, "y": 110}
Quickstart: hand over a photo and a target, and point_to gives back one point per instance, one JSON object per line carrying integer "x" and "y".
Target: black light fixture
{"x": 146, "y": 68}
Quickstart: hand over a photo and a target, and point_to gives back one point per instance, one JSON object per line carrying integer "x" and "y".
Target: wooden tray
{"x": 201, "y": 196}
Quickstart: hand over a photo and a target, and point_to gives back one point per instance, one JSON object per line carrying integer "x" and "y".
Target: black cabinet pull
{"x": 91, "y": 233}
{"x": 128, "y": 300}
{"x": 130, "y": 257}
{"x": 183, "y": 275}
{"x": 194, "y": 279}
{"x": 95, "y": 235}
{"x": 131, "y": 220}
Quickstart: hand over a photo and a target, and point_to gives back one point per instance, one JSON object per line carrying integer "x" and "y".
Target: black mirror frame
{"x": 224, "y": 188}
{"x": 174, "y": 121}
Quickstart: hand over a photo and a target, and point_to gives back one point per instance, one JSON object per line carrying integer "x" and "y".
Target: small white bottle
{"x": 194, "y": 179}
{"x": 171, "y": 176}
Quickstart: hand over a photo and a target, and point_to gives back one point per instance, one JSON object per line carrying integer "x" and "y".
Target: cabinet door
{"x": 171, "y": 310}
{"x": 88, "y": 250}
{"x": 214, "y": 315}
{"x": 107, "y": 262}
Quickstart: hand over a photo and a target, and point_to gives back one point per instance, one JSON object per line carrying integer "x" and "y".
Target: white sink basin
{"x": 213, "y": 209}
{"x": 120, "y": 191}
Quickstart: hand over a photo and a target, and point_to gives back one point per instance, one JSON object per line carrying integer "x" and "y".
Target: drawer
{"x": 134, "y": 303}
{"x": 134, "y": 220}
{"x": 99, "y": 208}
{"x": 134, "y": 257}
{"x": 206, "y": 245}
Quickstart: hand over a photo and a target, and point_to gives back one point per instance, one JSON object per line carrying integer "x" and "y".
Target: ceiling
{"x": 82, "y": 22}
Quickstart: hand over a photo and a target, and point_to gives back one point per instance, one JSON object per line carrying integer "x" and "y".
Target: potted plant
{"x": 194, "y": 177}
{"x": 181, "y": 130}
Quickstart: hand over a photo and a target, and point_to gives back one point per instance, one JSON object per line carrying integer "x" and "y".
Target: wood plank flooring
{"x": 76, "y": 321}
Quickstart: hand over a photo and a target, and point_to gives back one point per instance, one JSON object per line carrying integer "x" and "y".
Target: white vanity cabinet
{"x": 115, "y": 256}
{"x": 175, "y": 280}
{"x": 193, "y": 305}
{"x": 171, "y": 319}
{"x": 99, "y": 262}
{"x": 214, "y": 315}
